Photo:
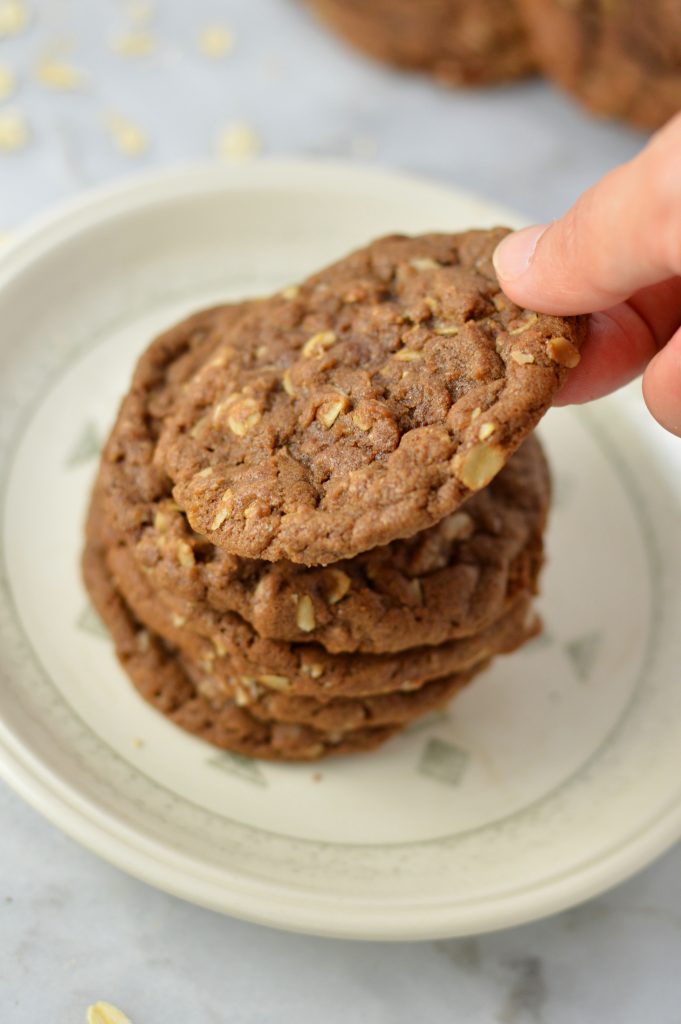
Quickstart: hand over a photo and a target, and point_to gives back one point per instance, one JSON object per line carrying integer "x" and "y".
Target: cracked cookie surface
{"x": 447, "y": 582}
{"x": 366, "y": 404}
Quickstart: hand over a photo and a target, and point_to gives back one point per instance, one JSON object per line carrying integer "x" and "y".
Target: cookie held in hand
{"x": 366, "y": 404}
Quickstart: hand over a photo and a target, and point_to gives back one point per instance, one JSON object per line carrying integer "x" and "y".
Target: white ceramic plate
{"x": 554, "y": 776}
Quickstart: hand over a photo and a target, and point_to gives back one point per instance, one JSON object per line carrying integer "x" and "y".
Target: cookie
{"x": 340, "y": 714}
{"x": 275, "y": 727}
{"x": 365, "y": 406}
{"x": 446, "y": 582}
{"x": 234, "y": 658}
{"x": 460, "y": 42}
{"x": 130, "y": 480}
{"x": 620, "y": 58}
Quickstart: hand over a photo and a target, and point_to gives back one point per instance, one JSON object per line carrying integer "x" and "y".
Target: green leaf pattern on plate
{"x": 583, "y": 652}
{"x": 443, "y": 761}
{"x": 89, "y": 622}
{"x": 236, "y": 764}
{"x": 86, "y": 447}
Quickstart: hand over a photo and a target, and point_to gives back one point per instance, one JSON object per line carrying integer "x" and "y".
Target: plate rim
{"x": 182, "y": 178}
{"x": 156, "y": 863}
{"x": 308, "y": 914}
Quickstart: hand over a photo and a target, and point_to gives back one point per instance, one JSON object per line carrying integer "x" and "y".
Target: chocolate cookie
{"x": 274, "y": 726}
{"x": 367, "y": 405}
{"x": 621, "y": 58}
{"x": 446, "y": 582}
{"x": 161, "y": 679}
{"x": 340, "y": 714}
{"x": 460, "y": 42}
{"x": 233, "y": 658}
{"x": 130, "y": 481}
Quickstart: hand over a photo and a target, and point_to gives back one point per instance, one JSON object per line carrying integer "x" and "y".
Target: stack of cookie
{"x": 319, "y": 515}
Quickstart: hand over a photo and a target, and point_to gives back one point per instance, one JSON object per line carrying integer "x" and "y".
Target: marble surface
{"x": 73, "y": 929}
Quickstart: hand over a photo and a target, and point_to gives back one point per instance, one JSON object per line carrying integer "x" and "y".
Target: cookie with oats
{"x": 253, "y": 717}
{"x": 160, "y": 677}
{"x": 364, "y": 406}
{"x": 444, "y": 583}
{"x": 231, "y": 656}
{"x": 342, "y": 714}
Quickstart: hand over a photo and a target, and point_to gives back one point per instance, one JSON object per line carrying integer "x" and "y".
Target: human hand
{"x": 617, "y": 255}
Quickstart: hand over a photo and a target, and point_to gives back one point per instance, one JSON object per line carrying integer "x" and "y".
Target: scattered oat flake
{"x": 13, "y": 17}
{"x": 127, "y": 137}
{"x": 7, "y": 82}
{"x": 134, "y": 44}
{"x": 139, "y": 12}
{"x": 216, "y": 41}
{"x": 238, "y": 142}
{"x": 105, "y": 1013}
{"x": 13, "y": 131}
{"x": 55, "y": 73}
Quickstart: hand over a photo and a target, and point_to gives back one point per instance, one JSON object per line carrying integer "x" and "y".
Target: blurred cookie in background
{"x": 459, "y": 42}
{"x": 620, "y": 58}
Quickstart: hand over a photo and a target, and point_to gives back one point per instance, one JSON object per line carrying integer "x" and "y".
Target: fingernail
{"x": 514, "y": 253}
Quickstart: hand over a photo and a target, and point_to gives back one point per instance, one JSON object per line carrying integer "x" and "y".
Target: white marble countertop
{"x": 73, "y": 929}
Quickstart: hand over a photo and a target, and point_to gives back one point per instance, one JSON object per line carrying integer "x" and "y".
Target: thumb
{"x": 662, "y": 386}
{"x": 621, "y": 235}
